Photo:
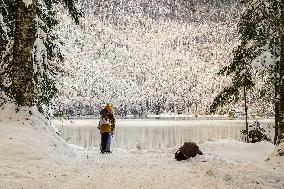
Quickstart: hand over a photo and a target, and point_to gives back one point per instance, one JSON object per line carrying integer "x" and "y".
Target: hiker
{"x": 106, "y": 127}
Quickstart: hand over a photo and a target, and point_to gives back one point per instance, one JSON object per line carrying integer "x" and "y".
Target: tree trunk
{"x": 246, "y": 111}
{"x": 21, "y": 67}
{"x": 281, "y": 71}
{"x": 276, "y": 110}
{"x": 281, "y": 94}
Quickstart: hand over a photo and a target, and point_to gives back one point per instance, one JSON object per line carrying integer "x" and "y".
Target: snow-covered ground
{"x": 33, "y": 156}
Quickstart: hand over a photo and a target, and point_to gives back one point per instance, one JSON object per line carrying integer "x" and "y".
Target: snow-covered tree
{"x": 29, "y": 53}
{"x": 261, "y": 30}
{"x": 146, "y": 57}
{"x": 262, "y": 26}
{"x": 242, "y": 80}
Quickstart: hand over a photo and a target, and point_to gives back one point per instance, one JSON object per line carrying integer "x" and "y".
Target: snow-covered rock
{"x": 278, "y": 151}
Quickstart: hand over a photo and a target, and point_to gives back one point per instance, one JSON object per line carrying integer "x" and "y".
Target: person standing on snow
{"x": 106, "y": 127}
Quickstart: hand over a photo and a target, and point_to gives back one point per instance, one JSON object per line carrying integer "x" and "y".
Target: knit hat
{"x": 108, "y": 107}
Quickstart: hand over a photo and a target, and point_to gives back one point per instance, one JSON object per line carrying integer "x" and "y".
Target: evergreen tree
{"x": 262, "y": 26}
{"x": 240, "y": 70}
{"x": 30, "y": 53}
{"x": 261, "y": 29}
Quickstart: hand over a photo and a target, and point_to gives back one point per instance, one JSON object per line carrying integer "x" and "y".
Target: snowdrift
{"x": 29, "y": 134}
{"x": 30, "y": 150}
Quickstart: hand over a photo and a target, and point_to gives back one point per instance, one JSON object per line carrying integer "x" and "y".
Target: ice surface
{"x": 151, "y": 134}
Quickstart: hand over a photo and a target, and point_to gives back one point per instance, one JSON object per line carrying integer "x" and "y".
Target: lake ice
{"x": 152, "y": 134}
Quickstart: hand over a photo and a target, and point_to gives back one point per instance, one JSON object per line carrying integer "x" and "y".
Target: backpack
{"x": 105, "y": 123}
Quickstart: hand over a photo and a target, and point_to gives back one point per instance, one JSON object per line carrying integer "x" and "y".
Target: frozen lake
{"x": 152, "y": 134}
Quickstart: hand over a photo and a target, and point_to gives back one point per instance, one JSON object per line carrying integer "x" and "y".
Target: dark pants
{"x": 105, "y": 142}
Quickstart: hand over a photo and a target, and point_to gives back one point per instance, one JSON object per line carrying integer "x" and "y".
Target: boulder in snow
{"x": 187, "y": 150}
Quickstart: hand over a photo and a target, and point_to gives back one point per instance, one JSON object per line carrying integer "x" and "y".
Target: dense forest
{"x": 149, "y": 57}
{"x": 144, "y": 57}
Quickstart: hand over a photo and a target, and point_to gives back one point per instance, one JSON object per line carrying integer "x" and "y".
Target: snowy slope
{"x": 30, "y": 150}
{"x": 32, "y": 156}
